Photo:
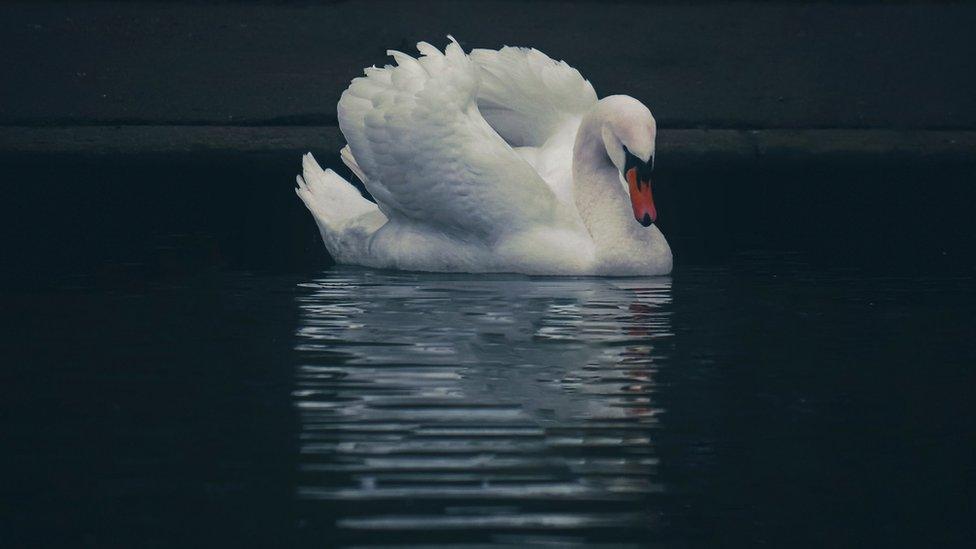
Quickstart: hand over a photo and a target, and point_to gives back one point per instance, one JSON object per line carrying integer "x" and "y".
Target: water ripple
{"x": 463, "y": 403}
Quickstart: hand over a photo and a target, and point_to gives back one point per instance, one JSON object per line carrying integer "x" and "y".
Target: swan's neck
{"x": 600, "y": 198}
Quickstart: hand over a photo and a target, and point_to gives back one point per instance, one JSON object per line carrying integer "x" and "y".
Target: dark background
{"x": 148, "y": 149}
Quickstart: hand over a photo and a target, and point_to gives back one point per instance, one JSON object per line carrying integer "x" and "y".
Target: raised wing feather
{"x": 427, "y": 153}
{"x": 527, "y": 96}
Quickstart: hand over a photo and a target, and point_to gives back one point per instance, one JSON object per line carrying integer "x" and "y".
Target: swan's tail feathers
{"x": 351, "y": 163}
{"x": 345, "y": 219}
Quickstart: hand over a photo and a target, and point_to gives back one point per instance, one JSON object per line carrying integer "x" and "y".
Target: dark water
{"x": 761, "y": 401}
{"x": 182, "y": 368}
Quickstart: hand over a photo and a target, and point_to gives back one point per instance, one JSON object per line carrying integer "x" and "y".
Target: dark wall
{"x": 735, "y": 64}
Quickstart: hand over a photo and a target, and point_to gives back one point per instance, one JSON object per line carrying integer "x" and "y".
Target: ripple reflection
{"x": 480, "y": 409}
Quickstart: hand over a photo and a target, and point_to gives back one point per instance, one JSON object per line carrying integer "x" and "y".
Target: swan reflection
{"x": 500, "y": 404}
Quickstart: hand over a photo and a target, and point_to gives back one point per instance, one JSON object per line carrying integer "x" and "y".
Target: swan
{"x": 494, "y": 161}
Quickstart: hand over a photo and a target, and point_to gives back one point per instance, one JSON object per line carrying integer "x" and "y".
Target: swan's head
{"x": 629, "y": 132}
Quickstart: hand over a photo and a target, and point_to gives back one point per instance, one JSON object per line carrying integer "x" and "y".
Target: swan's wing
{"x": 527, "y": 96}
{"x": 427, "y": 153}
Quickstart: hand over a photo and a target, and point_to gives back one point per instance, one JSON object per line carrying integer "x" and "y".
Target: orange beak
{"x": 641, "y": 198}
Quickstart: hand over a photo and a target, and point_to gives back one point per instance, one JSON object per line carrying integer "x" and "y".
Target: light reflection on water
{"x": 521, "y": 408}
{"x": 761, "y": 403}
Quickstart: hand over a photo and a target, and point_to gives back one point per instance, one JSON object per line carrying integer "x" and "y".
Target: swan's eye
{"x": 644, "y": 169}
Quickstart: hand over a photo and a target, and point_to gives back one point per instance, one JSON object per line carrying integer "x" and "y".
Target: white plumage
{"x": 497, "y": 161}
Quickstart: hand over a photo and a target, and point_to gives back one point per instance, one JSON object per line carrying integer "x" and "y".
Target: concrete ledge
{"x": 676, "y": 147}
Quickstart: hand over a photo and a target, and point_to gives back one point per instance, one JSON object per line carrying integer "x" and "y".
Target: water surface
{"x": 482, "y": 408}
{"x": 759, "y": 402}
{"x": 763, "y": 400}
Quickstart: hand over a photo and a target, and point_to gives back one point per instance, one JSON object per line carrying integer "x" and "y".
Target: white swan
{"x": 497, "y": 161}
